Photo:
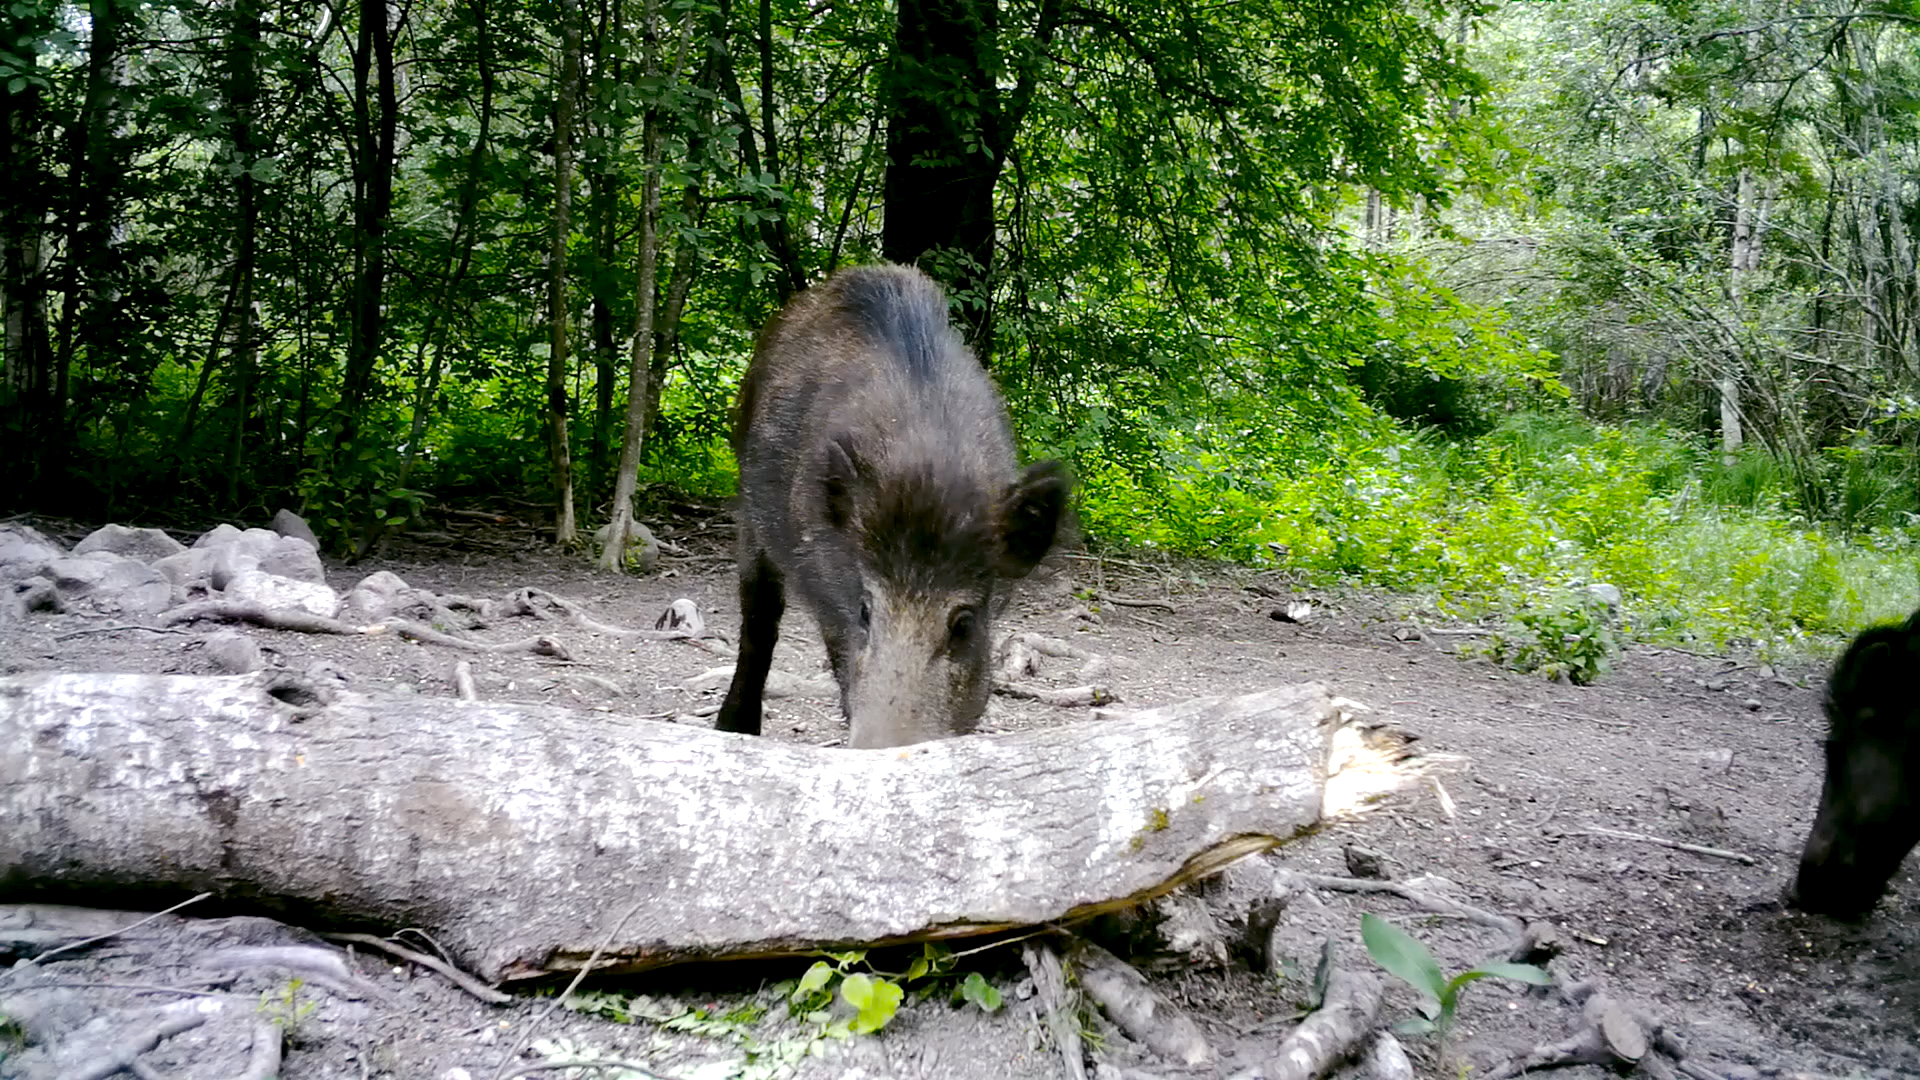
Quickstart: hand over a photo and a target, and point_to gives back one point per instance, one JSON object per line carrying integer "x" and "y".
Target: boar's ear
{"x": 1032, "y": 516}
{"x": 836, "y": 482}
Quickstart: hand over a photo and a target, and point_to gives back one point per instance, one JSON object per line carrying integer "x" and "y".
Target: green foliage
{"x": 1565, "y": 638}
{"x": 285, "y": 1008}
{"x": 1408, "y": 960}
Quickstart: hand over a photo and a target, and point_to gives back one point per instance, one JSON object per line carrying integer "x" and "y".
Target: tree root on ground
{"x": 124, "y": 1054}
{"x": 237, "y": 611}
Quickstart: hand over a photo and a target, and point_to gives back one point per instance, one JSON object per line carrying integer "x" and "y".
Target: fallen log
{"x": 513, "y": 833}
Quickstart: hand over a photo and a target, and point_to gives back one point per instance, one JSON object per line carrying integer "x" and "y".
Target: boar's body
{"x": 878, "y": 483}
{"x": 1870, "y": 804}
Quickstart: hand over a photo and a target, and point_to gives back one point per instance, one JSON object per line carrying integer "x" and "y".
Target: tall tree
{"x": 566, "y": 94}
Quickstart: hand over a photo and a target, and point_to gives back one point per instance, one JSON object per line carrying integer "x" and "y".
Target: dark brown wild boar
{"x": 1870, "y": 805}
{"x": 878, "y": 483}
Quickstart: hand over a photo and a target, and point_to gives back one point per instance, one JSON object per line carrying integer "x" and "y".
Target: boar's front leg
{"x": 762, "y": 601}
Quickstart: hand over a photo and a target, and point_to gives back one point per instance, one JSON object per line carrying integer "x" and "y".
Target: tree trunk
{"x": 652, "y": 140}
{"x": 31, "y": 408}
{"x": 790, "y": 275}
{"x": 945, "y": 148}
{"x": 517, "y": 836}
{"x": 243, "y": 93}
{"x": 375, "y": 127}
{"x": 566, "y": 95}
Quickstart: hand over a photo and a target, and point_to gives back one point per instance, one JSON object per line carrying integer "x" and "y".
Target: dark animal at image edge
{"x": 1868, "y": 818}
{"x": 878, "y": 483}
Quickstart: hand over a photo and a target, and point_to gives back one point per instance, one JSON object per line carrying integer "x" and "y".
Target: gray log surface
{"x": 519, "y": 835}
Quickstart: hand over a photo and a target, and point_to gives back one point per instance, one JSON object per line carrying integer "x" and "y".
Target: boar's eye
{"x": 960, "y": 629}
{"x": 866, "y": 616}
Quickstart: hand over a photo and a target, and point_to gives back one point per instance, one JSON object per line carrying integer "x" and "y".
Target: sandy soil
{"x": 1720, "y": 752}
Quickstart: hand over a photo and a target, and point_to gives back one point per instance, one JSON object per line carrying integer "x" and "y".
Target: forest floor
{"x": 1721, "y": 752}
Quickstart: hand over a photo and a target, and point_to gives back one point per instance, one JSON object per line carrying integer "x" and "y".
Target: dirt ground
{"x": 1721, "y": 752}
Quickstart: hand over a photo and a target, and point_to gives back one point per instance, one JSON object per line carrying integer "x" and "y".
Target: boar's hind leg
{"x": 762, "y": 601}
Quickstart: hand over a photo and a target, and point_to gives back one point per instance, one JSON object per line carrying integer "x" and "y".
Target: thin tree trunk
{"x": 375, "y": 139}
{"x": 652, "y": 139}
{"x": 558, "y": 449}
{"x": 28, "y": 352}
{"x": 243, "y": 94}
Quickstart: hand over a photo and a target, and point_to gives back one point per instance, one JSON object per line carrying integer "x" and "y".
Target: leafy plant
{"x": 285, "y": 1008}
{"x": 1408, "y": 960}
{"x": 1567, "y": 639}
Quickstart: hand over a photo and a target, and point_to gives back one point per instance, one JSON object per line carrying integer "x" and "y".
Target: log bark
{"x": 515, "y": 833}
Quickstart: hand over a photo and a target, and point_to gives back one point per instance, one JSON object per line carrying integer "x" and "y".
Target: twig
{"x": 1330, "y": 1033}
{"x": 507, "y": 1062}
{"x": 594, "y": 1063}
{"x": 1065, "y": 698}
{"x": 116, "y": 628}
{"x": 426, "y": 635}
{"x": 1124, "y": 601}
{"x": 1417, "y": 897}
{"x": 30, "y": 962}
{"x": 453, "y": 974}
{"x": 1697, "y": 849}
{"x": 1050, "y": 986}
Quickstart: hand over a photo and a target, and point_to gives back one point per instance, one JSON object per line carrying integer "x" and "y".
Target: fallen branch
{"x": 1332, "y": 1032}
{"x": 1129, "y": 602}
{"x": 1064, "y": 698}
{"x": 476, "y": 820}
{"x": 523, "y": 601}
{"x": 1131, "y": 1002}
{"x": 114, "y": 630}
{"x": 426, "y": 635}
{"x": 1717, "y": 853}
{"x": 1050, "y": 986}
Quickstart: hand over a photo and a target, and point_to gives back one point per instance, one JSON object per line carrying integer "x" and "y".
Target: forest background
{"x": 1481, "y": 303}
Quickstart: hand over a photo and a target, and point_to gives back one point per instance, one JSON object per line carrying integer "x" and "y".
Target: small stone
{"x": 233, "y": 653}
{"x": 1752, "y": 704}
{"x": 292, "y": 557}
{"x": 377, "y": 597}
{"x": 1606, "y": 594}
{"x": 1365, "y": 862}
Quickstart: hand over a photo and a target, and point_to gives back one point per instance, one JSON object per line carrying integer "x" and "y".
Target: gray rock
{"x": 288, "y": 523}
{"x": 143, "y": 544}
{"x": 643, "y": 551}
{"x": 377, "y": 597}
{"x": 230, "y": 561}
{"x": 233, "y": 653}
{"x": 1606, "y": 594}
{"x": 31, "y": 595}
{"x": 78, "y": 577}
{"x": 294, "y": 558}
{"x": 134, "y": 588}
{"x": 218, "y": 536}
{"x": 273, "y": 591}
{"x": 25, "y": 553}
{"x": 190, "y": 567}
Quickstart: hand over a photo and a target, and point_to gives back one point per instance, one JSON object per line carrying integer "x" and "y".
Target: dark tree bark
{"x": 949, "y": 131}
{"x": 28, "y": 405}
{"x": 243, "y": 95}
{"x": 376, "y": 117}
{"x": 790, "y": 274}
